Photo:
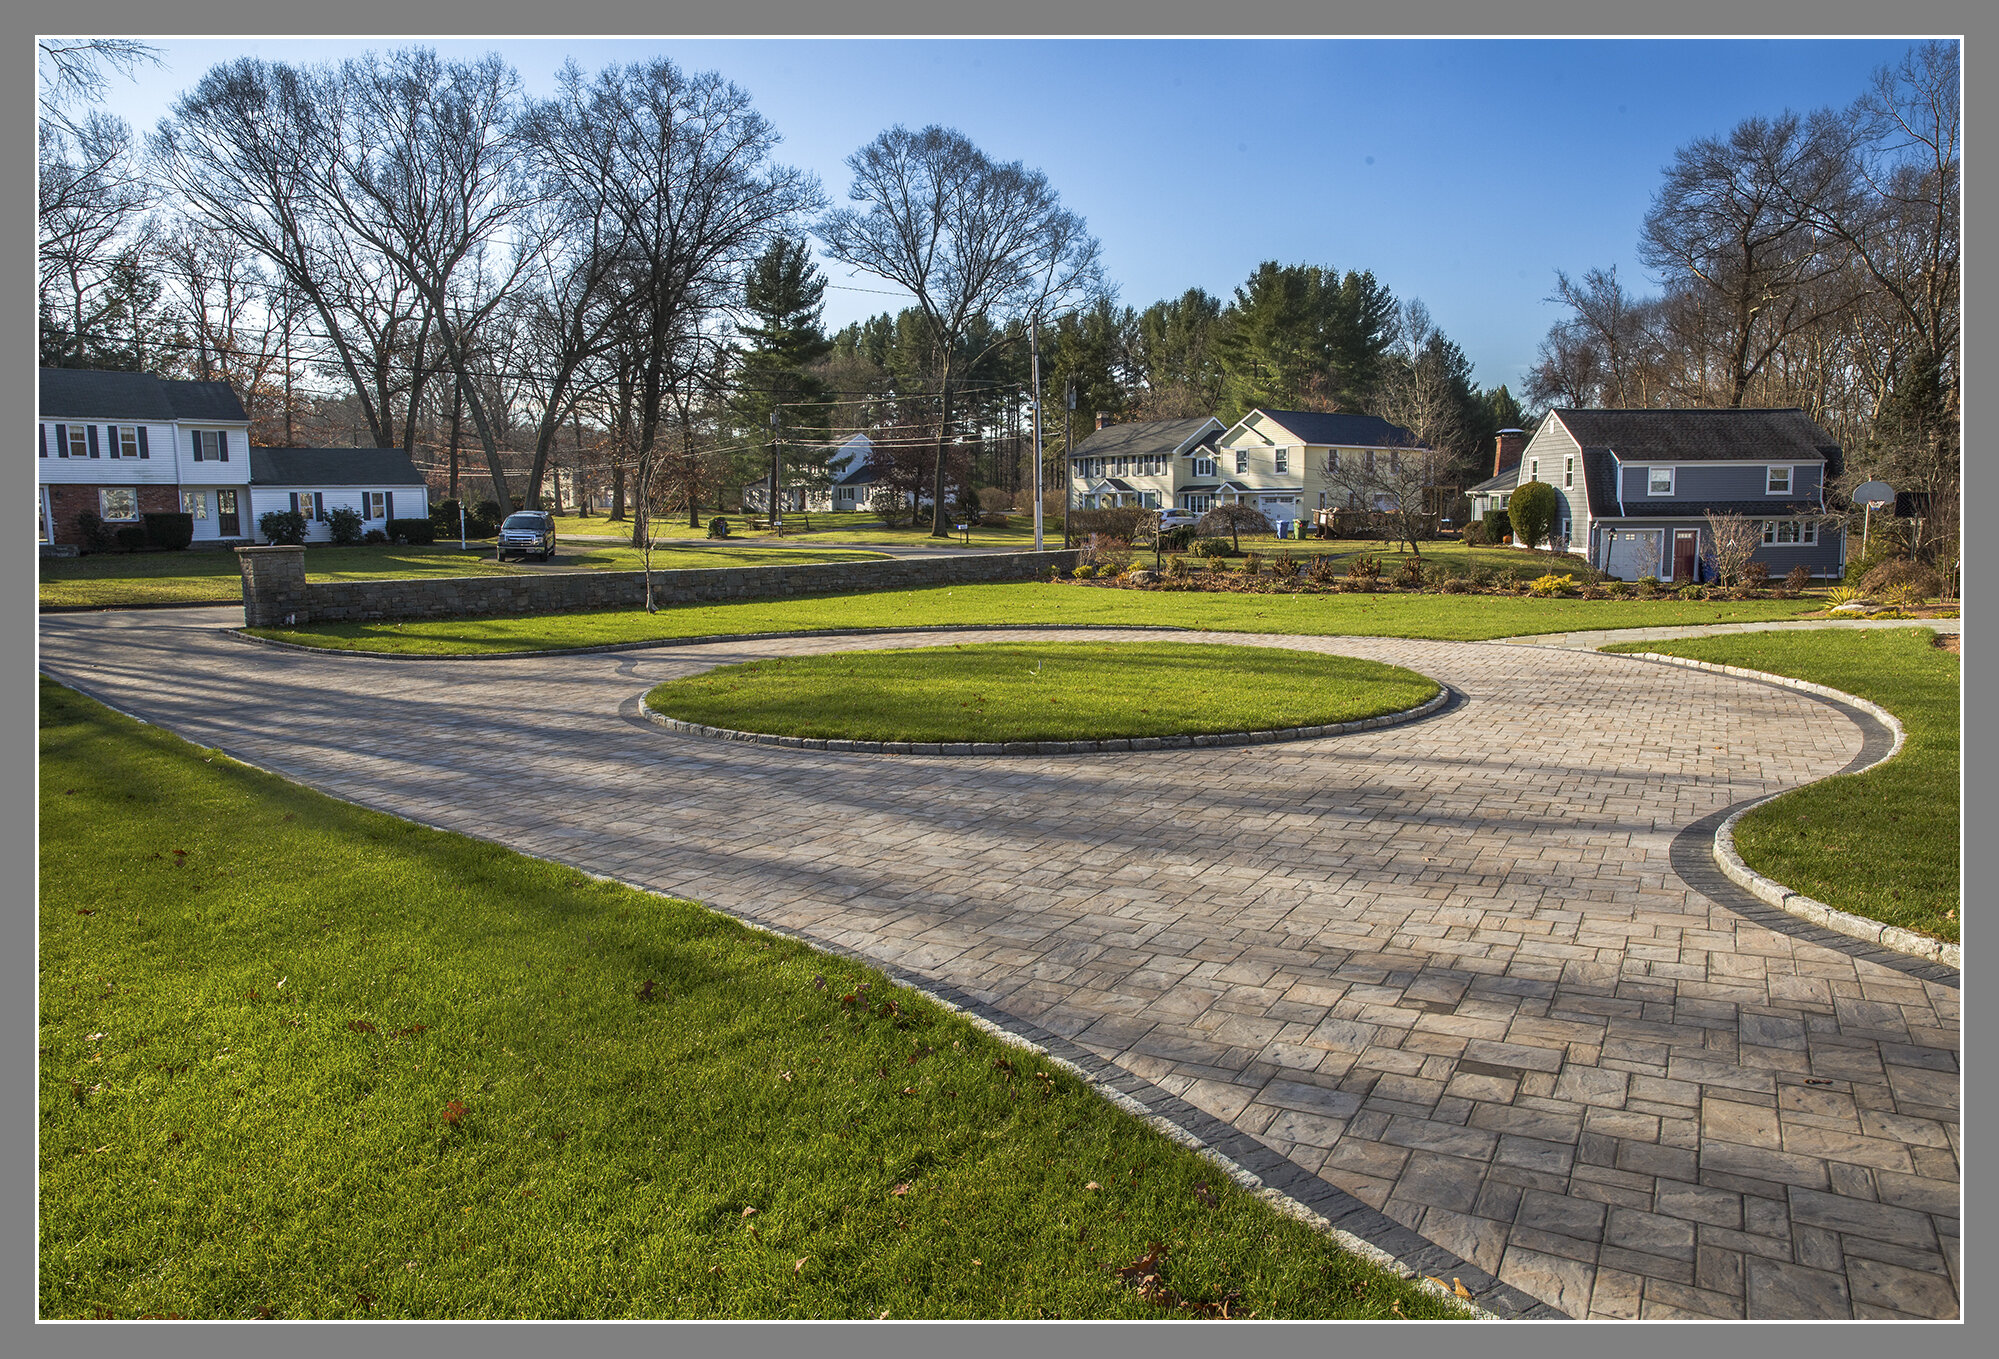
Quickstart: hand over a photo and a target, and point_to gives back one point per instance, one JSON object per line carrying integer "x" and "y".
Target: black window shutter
{"x": 294, "y": 502}
{"x": 43, "y": 432}
{"x": 90, "y": 436}
{"x": 144, "y": 451}
{"x": 195, "y": 435}
{"x": 318, "y": 505}
{"x": 62, "y": 441}
{"x": 222, "y": 443}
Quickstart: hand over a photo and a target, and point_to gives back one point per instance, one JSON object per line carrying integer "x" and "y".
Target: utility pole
{"x": 1034, "y": 349}
{"x": 776, "y": 519}
{"x": 1068, "y": 468}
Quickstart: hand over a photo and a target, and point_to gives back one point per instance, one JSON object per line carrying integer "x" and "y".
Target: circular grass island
{"x": 989, "y": 693}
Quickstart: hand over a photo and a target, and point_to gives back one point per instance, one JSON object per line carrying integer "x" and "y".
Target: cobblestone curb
{"x": 1775, "y": 893}
{"x": 988, "y": 748}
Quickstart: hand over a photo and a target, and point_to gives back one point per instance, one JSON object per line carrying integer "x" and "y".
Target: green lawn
{"x": 1454, "y": 617}
{"x": 1883, "y": 843}
{"x": 108, "y": 580}
{"x": 302, "y": 1060}
{"x": 1041, "y": 691}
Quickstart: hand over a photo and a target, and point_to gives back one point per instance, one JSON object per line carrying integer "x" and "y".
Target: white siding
{"x": 235, "y": 472}
{"x": 411, "y": 502}
{"x": 156, "y": 469}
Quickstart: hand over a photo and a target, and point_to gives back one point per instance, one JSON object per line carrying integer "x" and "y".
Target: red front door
{"x": 1683, "y": 554}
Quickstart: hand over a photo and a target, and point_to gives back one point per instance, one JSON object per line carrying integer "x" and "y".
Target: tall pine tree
{"x": 783, "y": 338}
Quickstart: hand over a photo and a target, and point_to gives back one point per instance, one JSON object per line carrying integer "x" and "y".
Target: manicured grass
{"x": 1041, "y": 691}
{"x": 1445, "y": 554}
{"x": 1882, "y": 843}
{"x": 108, "y": 580}
{"x": 298, "y": 1060}
{"x": 1452, "y": 617}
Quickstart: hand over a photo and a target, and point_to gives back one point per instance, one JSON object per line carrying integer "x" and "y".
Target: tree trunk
{"x": 457, "y": 411}
{"x": 939, "y": 527}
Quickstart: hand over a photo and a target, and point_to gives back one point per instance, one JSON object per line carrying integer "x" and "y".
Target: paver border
{"x": 1301, "y": 1195}
{"x": 1121, "y": 745}
{"x": 1775, "y": 893}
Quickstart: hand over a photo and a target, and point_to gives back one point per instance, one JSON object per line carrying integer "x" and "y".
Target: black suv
{"x": 528, "y": 532}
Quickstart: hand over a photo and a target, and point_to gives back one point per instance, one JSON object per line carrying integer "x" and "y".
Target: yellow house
{"x": 1277, "y": 460}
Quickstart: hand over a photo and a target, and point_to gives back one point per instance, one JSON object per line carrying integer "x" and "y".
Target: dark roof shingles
{"x": 1343, "y": 429}
{"x": 1138, "y": 438}
{"x": 1724, "y": 435}
{"x": 332, "y": 467}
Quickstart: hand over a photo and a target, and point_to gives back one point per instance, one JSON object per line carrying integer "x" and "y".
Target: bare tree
{"x": 1234, "y": 517}
{"x": 74, "y": 72}
{"x": 1392, "y": 483}
{"x": 1732, "y": 541}
{"x": 1729, "y": 223}
{"x": 970, "y": 238}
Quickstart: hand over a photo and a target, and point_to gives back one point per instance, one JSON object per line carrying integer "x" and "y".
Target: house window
{"x": 194, "y": 503}
{"x": 79, "y": 441}
{"x": 1780, "y": 481}
{"x": 1789, "y": 533}
{"x": 1568, "y": 471}
{"x": 124, "y": 440}
{"x": 374, "y": 504}
{"x": 1534, "y": 469}
{"x": 1204, "y": 467}
{"x": 1198, "y": 503}
{"x": 1659, "y": 481}
{"x": 118, "y": 502}
{"x": 1242, "y": 460}
{"x": 1283, "y": 460}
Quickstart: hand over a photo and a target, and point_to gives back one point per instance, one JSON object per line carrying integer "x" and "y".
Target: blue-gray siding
{"x": 1821, "y": 558}
{"x": 1714, "y": 482}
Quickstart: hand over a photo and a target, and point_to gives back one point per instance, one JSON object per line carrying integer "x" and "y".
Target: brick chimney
{"x": 1103, "y": 418}
{"x": 1507, "y": 449}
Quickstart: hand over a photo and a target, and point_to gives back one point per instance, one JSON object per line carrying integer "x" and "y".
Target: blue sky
{"x": 1463, "y": 172}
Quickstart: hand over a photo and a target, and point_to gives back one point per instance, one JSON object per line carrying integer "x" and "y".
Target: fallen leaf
{"x": 645, "y": 991}
{"x": 899, "y": 1190}
{"x": 1205, "y": 1196}
{"x": 1092, "y": 1185}
{"x": 883, "y": 1316}
{"x": 818, "y": 982}
{"x": 749, "y": 1212}
{"x": 360, "y": 1026}
{"x": 1458, "y": 1287}
{"x": 1396, "y": 1308}
{"x": 784, "y": 1075}
{"x": 85, "y": 910}
{"x": 454, "y": 1111}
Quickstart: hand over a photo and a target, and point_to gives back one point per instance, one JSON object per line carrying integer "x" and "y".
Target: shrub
{"x": 1176, "y": 539}
{"x": 1692, "y": 590}
{"x": 1900, "y": 572}
{"x": 1083, "y": 571}
{"x": 993, "y": 500}
{"x": 1797, "y": 578}
{"x": 1592, "y": 591}
{"x": 374, "y": 536}
{"x": 1109, "y": 555}
{"x": 418, "y": 531}
{"x": 1363, "y": 567}
{"x": 1648, "y": 586}
{"x": 96, "y": 537}
{"x": 1176, "y": 568}
{"x": 1907, "y": 595}
{"x": 1843, "y": 594}
{"x": 130, "y": 538}
{"x": 1252, "y": 564}
{"x": 1756, "y": 575}
{"x": 1412, "y": 572}
{"x": 1475, "y": 534}
{"x": 1213, "y": 548}
{"x": 891, "y": 507}
{"x": 1532, "y": 509}
{"x": 718, "y": 527}
{"x": 1284, "y": 566}
{"x": 1132, "y": 523}
{"x": 283, "y": 527}
{"x": 1497, "y": 526}
{"x": 1454, "y": 585}
{"x": 1618, "y": 589}
{"x": 1550, "y": 585}
{"x": 345, "y": 523}
{"x": 169, "y": 531}
{"x": 1320, "y": 570}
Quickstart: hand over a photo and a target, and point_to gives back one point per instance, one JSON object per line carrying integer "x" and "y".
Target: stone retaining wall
{"x": 277, "y": 594}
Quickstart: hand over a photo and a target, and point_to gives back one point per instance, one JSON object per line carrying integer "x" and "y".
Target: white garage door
{"x": 1634, "y": 553}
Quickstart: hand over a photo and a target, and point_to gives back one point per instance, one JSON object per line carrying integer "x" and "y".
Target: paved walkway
{"x": 1590, "y": 641}
{"x": 1458, "y": 969}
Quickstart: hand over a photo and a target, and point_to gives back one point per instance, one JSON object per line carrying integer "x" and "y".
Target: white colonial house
{"x": 853, "y": 481}
{"x": 380, "y": 483}
{"x": 122, "y": 445}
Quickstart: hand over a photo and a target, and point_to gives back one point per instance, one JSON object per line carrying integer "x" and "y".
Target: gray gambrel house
{"x": 1636, "y": 487}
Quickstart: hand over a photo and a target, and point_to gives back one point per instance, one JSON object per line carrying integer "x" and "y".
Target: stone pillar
{"x": 273, "y": 586}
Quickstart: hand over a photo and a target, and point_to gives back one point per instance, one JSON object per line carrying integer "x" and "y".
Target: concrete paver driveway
{"x": 1451, "y": 968}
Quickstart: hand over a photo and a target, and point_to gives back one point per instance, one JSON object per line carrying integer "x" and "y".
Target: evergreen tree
{"x": 783, "y": 339}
